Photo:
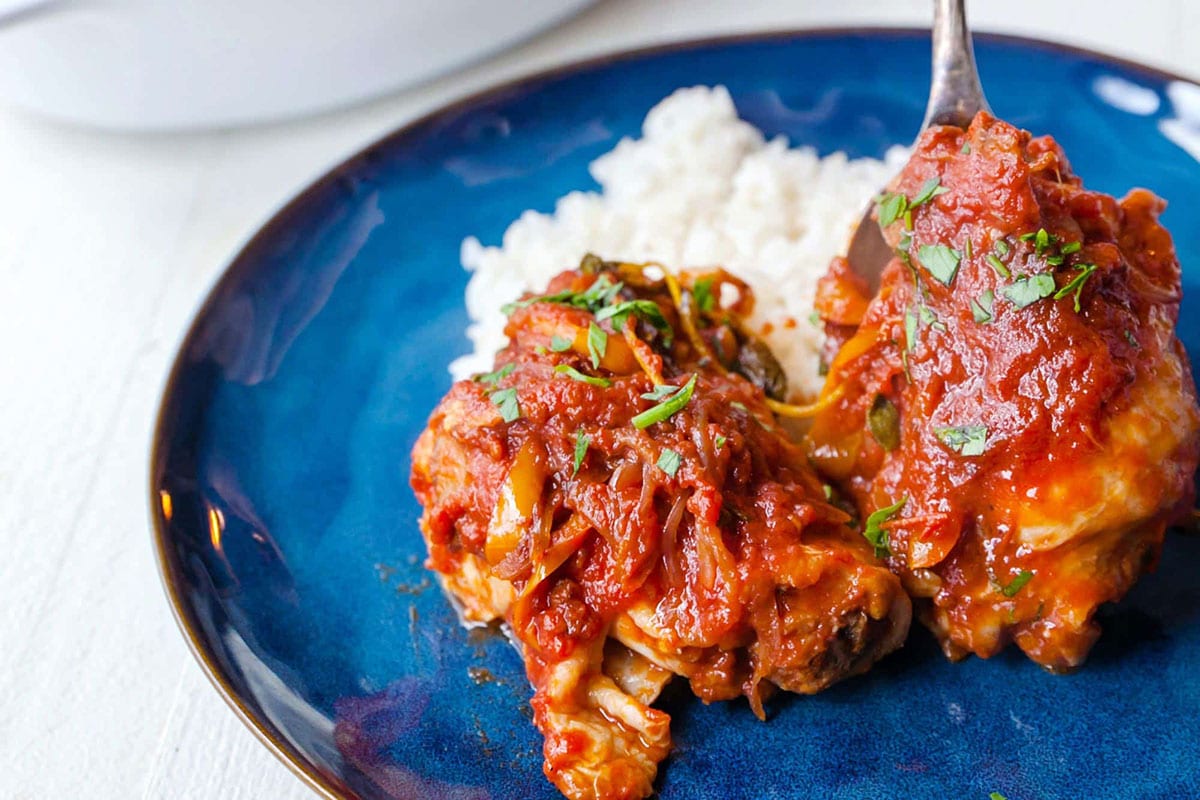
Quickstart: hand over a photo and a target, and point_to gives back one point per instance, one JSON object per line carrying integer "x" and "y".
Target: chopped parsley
{"x": 910, "y": 330}
{"x": 1001, "y": 247}
{"x": 968, "y": 440}
{"x": 891, "y": 208}
{"x": 669, "y": 462}
{"x": 497, "y": 376}
{"x": 702, "y": 291}
{"x": 660, "y": 392}
{"x": 506, "y": 402}
{"x": 1041, "y": 240}
{"x": 996, "y": 796}
{"x": 930, "y": 319}
{"x": 719, "y": 442}
{"x": 929, "y": 190}
{"x": 874, "y": 532}
{"x": 1016, "y": 584}
{"x": 1029, "y": 289}
{"x": 995, "y": 263}
{"x": 1076, "y": 284}
{"x": 814, "y": 318}
{"x": 883, "y": 420}
{"x": 600, "y": 294}
{"x": 668, "y": 407}
{"x": 828, "y": 491}
{"x": 981, "y": 307}
{"x": 940, "y": 260}
{"x": 597, "y": 343}
{"x": 582, "y": 442}
{"x": 740, "y": 406}
{"x": 571, "y": 372}
{"x": 647, "y": 309}
{"x": 560, "y": 344}
{"x": 1044, "y": 241}
{"x": 1129, "y": 337}
{"x": 966, "y": 148}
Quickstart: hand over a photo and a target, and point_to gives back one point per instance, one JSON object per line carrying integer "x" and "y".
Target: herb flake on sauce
{"x": 967, "y": 440}
{"x": 874, "y": 532}
{"x": 941, "y": 261}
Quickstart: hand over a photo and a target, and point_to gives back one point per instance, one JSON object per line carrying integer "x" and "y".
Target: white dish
{"x": 155, "y": 64}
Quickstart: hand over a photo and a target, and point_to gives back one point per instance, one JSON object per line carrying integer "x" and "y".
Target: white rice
{"x": 700, "y": 188}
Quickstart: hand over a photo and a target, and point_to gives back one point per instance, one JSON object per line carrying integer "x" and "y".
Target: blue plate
{"x": 288, "y": 536}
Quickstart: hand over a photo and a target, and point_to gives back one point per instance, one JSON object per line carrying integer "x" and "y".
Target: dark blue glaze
{"x": 312, "y": 368}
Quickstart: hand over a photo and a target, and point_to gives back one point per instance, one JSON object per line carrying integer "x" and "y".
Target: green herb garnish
{"x": 968, "y": 440}
{"x": 874, "y": 532}
{"x": 966, "y": 148}
{"x": 582, "y": 441}
{"x": 995, "y": 263}
{"x": 910, "y": 329}
{"x": 597, "y": 342}
{"x": 996, "y": 796}
{"x": 891, "y": 208}
{"x": 930, "y": 319}
{"x": 1041, "y": 240}
{"x": 668, "y": 407}
{"x": 929, "y": 190}
{"x": 1076, "y": 284}
{"x": 940, "y": 260}
{"x": 719, "y": 442}
{"x": 600, "y": 294}
{"x": 497, "y": 376}
{"x": 1071, "y": 247}
{"x": 702, "y": 291}
{"x": 1001, "y": 247}
{"x": 1016, "y": 584}
{"x": 981, "y": 307}
{"x": 660, "y": 392}
{"x": 647, "y": 309}
{"x": 1029, "y": 289}
{"x": 571, "y": 372}
{"x": 506, "y": 402}
{"x": 560, "y": 344}
{"x": 883, "y": 420}
{"x": 669, "y": 462}
{"x": 1129, "y": 337}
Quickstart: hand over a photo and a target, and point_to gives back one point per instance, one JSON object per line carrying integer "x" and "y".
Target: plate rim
{"x": 328, "y": 786}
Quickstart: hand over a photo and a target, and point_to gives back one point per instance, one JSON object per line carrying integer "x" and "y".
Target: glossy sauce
{"x": 1055, "y": 490}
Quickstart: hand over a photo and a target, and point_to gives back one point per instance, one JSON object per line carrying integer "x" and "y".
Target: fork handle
{"x": 955, "y": 93}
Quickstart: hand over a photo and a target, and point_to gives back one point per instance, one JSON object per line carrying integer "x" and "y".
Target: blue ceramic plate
{"x": 288, "y": 535}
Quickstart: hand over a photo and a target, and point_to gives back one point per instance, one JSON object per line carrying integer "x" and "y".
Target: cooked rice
{"x": 700, "y": 188}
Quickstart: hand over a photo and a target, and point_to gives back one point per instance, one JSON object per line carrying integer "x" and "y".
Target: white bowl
{"x": 156, "y": 64}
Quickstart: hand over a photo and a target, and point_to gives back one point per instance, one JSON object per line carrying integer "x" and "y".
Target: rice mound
{"x": 701, "y": 188}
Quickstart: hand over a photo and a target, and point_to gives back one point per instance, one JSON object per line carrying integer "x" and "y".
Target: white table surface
{"x": 107, "y": 244}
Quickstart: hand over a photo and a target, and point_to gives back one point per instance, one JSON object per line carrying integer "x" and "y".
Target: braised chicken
{"x": 1012, "y": 411}
{"x": 620, "y": 492}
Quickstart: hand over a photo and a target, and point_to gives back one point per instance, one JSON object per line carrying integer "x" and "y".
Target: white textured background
{"x": 107, "y": 244}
